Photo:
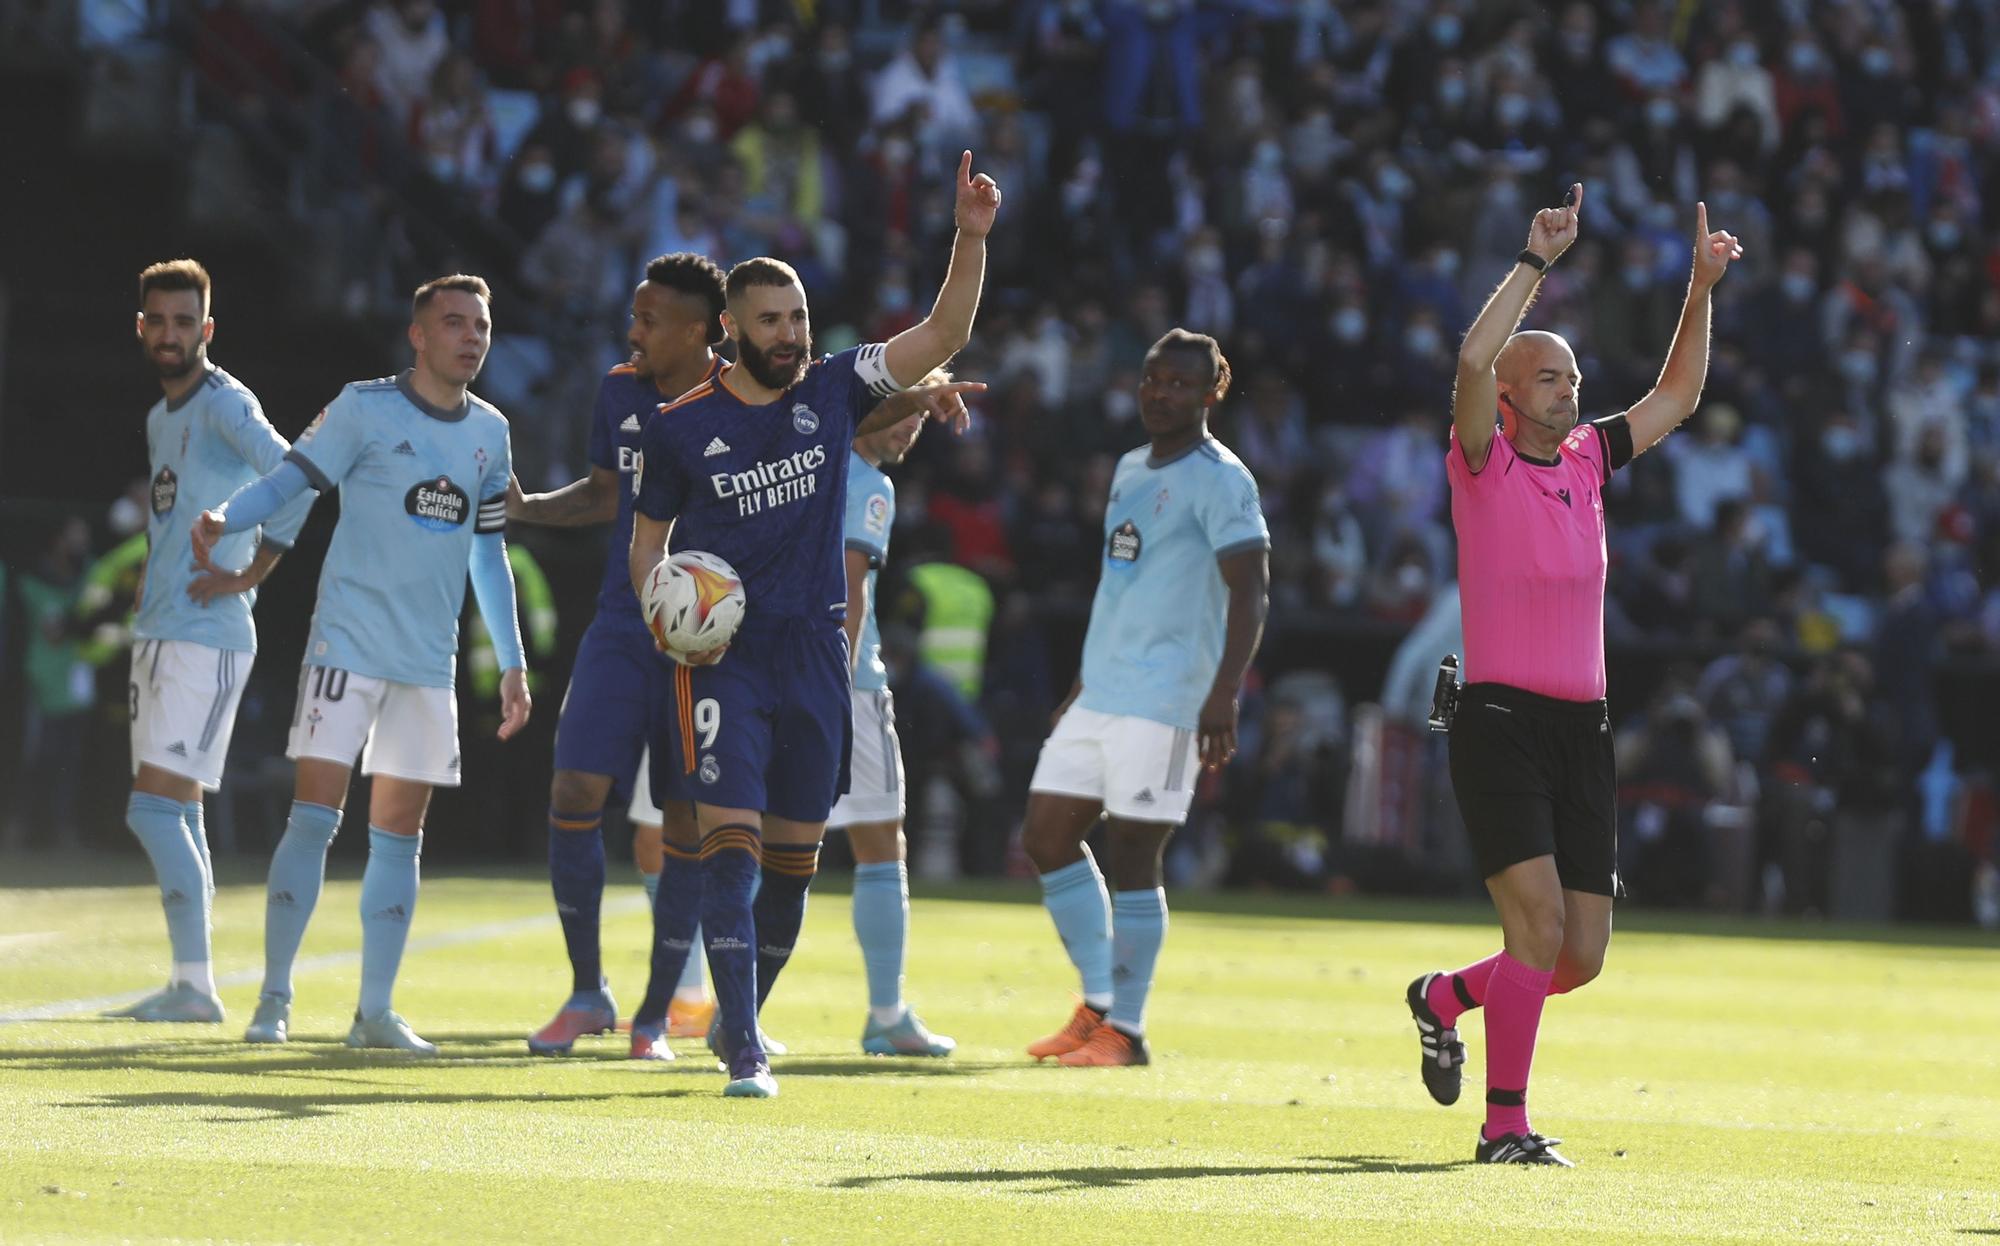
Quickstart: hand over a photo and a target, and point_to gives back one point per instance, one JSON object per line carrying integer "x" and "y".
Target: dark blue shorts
{"x": 768, "y": 728}
{"x": 620, "y": 696}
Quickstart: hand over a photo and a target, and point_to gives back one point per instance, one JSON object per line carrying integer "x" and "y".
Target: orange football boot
{"x": 1082, "y": 1024}
{"x": 689, "y": 1018}
{"x": 1108, "y": 1047}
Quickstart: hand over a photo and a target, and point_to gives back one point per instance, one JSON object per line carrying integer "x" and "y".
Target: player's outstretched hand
{"x": 1215, "y": 730}
{"x": 516, "y": 500}
{"x": 212, "y": 584}
{"x": 1712, "y": 251}
{"x": 945, "y": 402}
{"x": 204, "y": 533}
{"x": 515, "y": 703}
{"x": 978, "y": 200}
{"x": 1555, "y": 228}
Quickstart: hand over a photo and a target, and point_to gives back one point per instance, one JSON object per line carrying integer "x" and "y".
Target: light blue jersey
{"x": 203, "y": 447}
{"x": 1157, "y": 623}
{"x": 871, "y": 512}
{"x": 415, "y": 483}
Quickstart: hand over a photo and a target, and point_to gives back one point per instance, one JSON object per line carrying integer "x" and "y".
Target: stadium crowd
{"x": 1331, "y": 189}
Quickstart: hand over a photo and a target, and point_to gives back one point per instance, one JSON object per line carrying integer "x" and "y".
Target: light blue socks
{"x": 1138, "y": 928}
{"x": 388, "y": 901}
{"x": 1076, "y": 899}
{"x": 191, "y": 818}
{"x": 881, "y": 925}
{"x": 160, "y": 825}
{"x": 298, "y": 868}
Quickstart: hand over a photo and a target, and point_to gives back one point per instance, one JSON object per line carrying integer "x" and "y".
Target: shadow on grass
{"x": 882, "y": 1067}
{"x": 228, "y": 1109}
{"x": 1981, "y": 1232}
{"x": 1066, "y": 1180}
{"x": 303, "y": 1056}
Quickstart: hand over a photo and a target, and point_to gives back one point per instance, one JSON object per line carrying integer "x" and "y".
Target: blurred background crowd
{"x": 1805, "y": 590}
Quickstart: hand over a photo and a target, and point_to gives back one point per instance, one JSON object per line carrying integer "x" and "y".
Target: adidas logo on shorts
{"x": 631, "y": 424}
{"x": 178, "y": 748}
{"x": 715, "y": 447}
{"x": 1145, "y": 796}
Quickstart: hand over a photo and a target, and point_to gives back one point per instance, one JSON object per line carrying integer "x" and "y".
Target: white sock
{"x": 199, "y": 974}
{"x": 887, "y": 1016}
{"x": 1100, "y": 1002}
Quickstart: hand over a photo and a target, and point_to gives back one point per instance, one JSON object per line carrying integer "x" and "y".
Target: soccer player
{"x": 751, "y": 467}
{"x": 1176, "y": 621}
{"x": 195, "y": 639}
{"x": 620, "y": 682}
{"x": 871, "y": 810}
{"x": 422, "y": 467}
{"x": 1531, "y": 760}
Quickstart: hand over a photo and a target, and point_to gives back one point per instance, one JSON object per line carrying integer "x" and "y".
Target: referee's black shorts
{"x": 1535, "y": 777}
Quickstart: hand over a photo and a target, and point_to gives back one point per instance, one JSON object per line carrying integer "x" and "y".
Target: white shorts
{"x": 1143, "y": 771}
{"x": 400, "y": 730}
{"x": 643, "y": 811}
{"x": 183, "y": 698}
{"x": 875, "y": 767}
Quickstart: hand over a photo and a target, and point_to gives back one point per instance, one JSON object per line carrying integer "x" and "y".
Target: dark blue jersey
{"x": 625, "y": 402}
{"x": 765, "y": 487}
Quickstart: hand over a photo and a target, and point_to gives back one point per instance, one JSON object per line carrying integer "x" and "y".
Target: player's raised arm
{"x": 940, "y": 335}
{"x": 1476, "y": 394}
{"x": 1678, "y": 391}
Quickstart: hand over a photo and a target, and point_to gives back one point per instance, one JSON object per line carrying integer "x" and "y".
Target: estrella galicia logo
{"x": 711, "y": 770}
{"x": 437, "y": 504}
{"x": 1125, "y": 544}
{"x": 166, "y": 487}
{"x": 805, "y": 419}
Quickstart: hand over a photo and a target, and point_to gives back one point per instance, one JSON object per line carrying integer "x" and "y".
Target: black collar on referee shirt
{"x": 1529, "y": 458}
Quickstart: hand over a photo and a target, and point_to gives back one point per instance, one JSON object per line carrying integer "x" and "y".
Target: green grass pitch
{"x": 1722, "y": 1083}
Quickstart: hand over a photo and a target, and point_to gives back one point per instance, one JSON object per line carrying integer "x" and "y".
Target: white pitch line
{"x": 312, "y": 964}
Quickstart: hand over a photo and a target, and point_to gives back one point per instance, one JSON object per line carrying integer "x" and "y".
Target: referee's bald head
{"x": 1525, "y": 352}
{"x": 1538, "y": 380}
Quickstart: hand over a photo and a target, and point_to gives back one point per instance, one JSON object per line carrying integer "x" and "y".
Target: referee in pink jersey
{"x": 1531, "y": 758}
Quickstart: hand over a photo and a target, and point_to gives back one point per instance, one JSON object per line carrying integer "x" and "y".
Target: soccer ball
{"x": 693, "y": 603}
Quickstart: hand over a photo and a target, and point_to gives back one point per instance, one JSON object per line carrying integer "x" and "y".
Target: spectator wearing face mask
{"x": 1920, "y": 485}
{"x": 1806, "y": 84}
{"x": 1710, "y": 467}
{"x": 1575, "y": 66}
{"x": 1785, "y": 314}
{"x": 528, "y": 195}
{"x": 568, "y": 124}
{"x": 1839, "y": 509}
{"x": 1644, "y": 59}
{"x": 924, "y": 85}
{"x": 1737, "y": 81}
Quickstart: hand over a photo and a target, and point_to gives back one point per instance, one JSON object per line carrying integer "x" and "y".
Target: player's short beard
{"x": 770, "y": 375}
{"x": 190, "y": 360}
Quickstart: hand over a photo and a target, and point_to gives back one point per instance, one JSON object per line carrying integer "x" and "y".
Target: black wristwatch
{"x": 1532, "y": 260}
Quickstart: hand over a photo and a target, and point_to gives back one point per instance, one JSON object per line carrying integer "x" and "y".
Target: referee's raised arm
{"x": 1476, "y": 395}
